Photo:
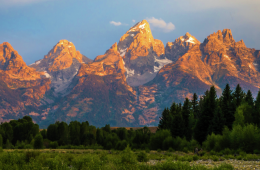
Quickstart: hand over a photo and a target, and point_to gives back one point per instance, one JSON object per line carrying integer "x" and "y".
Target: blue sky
{"x": 33, "y": 27}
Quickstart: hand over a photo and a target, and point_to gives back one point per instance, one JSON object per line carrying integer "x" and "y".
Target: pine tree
{"x": 227, "y": 107}
{"x": 177, "y": 125}
{"x": 249, "y": 98}
{"x": 256, "y": 113}
{"x": 185, "y": 114}
{"x": 207, "y": 114}
{"x": 238, "y": 96}
{"x": 218, "y": 122}
{"x": 195, "y": 107}
{"x": 165, "y": 120}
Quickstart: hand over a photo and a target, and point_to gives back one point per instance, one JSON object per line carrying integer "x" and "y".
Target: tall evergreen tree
{"x": 226, "y": 106}
{"x": 256, "y": 113}
{"x": 207, "y": 114}
{"x": 186, "y": 109}
{"x": 238, "y": 96}
{"x": 165, "y": 120}
{"x": 195, "y": 107}
{"x": 177, "y": 125}
{"x": 249, "y": 98}
{"x": 218, "y": 122}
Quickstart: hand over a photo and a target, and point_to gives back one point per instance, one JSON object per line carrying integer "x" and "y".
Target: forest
{"x": 230, "y": 121}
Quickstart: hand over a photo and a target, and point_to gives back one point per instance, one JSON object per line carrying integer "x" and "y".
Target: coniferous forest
{"x": 225, "y": 126}
{"x": 214, "y": 123}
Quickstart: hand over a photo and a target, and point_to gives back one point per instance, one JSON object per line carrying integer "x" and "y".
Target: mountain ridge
{"x": 130, "y": 84}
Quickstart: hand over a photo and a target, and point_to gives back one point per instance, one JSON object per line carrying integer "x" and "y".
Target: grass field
{"x": 103, "y": 159}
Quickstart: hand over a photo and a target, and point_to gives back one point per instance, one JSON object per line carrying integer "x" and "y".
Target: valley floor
{"x": 113, "y": 159}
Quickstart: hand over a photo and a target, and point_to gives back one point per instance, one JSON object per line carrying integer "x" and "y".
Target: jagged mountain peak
{"x": 188, "y": 38}
{"x": 59, "y": 57}
{"x": 139, "y": 34}
{"x": 143, "y": 25}
{"x": 61, "y": 65}
{"x": 13, "y": 65}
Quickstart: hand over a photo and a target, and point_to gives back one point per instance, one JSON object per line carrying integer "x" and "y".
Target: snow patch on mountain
{"x": 190, "y": 40}
{"x": 46, "y": 74}
{"x": 142, "y": 26}
{"x": 161, "y": 62}
{"x": 122, "y": 52}
{"x": 227, "y": 57}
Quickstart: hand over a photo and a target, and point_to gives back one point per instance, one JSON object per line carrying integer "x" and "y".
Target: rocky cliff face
{"x": 100, "y": 94}
{"x": 141, "y": 54}
{"x": 21, "y": 87}
{"x": 61, "y": 65}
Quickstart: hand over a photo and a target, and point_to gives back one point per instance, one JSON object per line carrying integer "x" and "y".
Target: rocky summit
{"x": 130, "y": 84}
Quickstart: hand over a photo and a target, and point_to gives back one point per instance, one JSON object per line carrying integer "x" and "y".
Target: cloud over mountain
{"x": 115, "y": 23}
{"x": 160, "y": 23}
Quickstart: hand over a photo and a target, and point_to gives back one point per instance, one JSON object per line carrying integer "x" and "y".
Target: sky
{"x": 33, "y": 27}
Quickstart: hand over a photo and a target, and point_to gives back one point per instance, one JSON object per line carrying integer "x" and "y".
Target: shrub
{"x": 195, "y": 157}
{"x": 29, "y": 155}
{"x": 121, "y": 145}
{"x": 142, "y": 157}
{"x": 127, "y": 156}
{"x": 212, "y": 152}
{"x": 170, "y": 149}
{"x": 156, "y": 141}
{"x": 185, "y": 149}
{"x": 224, "y": 166}
{"x": 53, "y": 145}
{"x": 227, "y": 151}
{"x": 168, "y": 143}
{"x": 147, "y": 150}
{"x": 256, "y": 151}
{"x": 214, "y": 158}
{"x": 159, "y": 150}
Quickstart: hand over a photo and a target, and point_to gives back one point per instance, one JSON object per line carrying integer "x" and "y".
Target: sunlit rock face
{"x": 21, "y": 87}
{"x": 143, "y": 55}
{"x": 180, "y": 46}
{"x": 61, "y": 65}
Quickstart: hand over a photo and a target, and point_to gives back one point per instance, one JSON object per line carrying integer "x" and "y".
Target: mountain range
{"x": 129, "y": 85}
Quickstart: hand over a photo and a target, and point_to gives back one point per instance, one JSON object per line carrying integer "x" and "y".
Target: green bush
{"x": 168, "y": 143}
{"x": 156, "y": 141}
{"x": 147, "y": 150}
{"x": 170, "y": 149}
{"x": 195, "y": 157}
{"x": 159, "y": 150}
{"x": 214, "y": 158}
{"x": 185, "y": 149}
{"x": 127, "y": 156}
{"x": 224, "y": 166}
{"x": 227, "y": 151}
{"x": 53, "y": 145}
{"x": 31, "y": 154}
{"x": 142, "y": 157}
{"x": 121, "y": 145}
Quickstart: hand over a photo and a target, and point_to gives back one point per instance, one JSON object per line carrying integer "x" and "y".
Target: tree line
{"x": 206, "y": 121}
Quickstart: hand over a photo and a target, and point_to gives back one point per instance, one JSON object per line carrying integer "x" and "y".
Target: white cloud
{"x": 115, "y": 23}
{"x": 133, "y": 20}
{"x": 159, "y": 23}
